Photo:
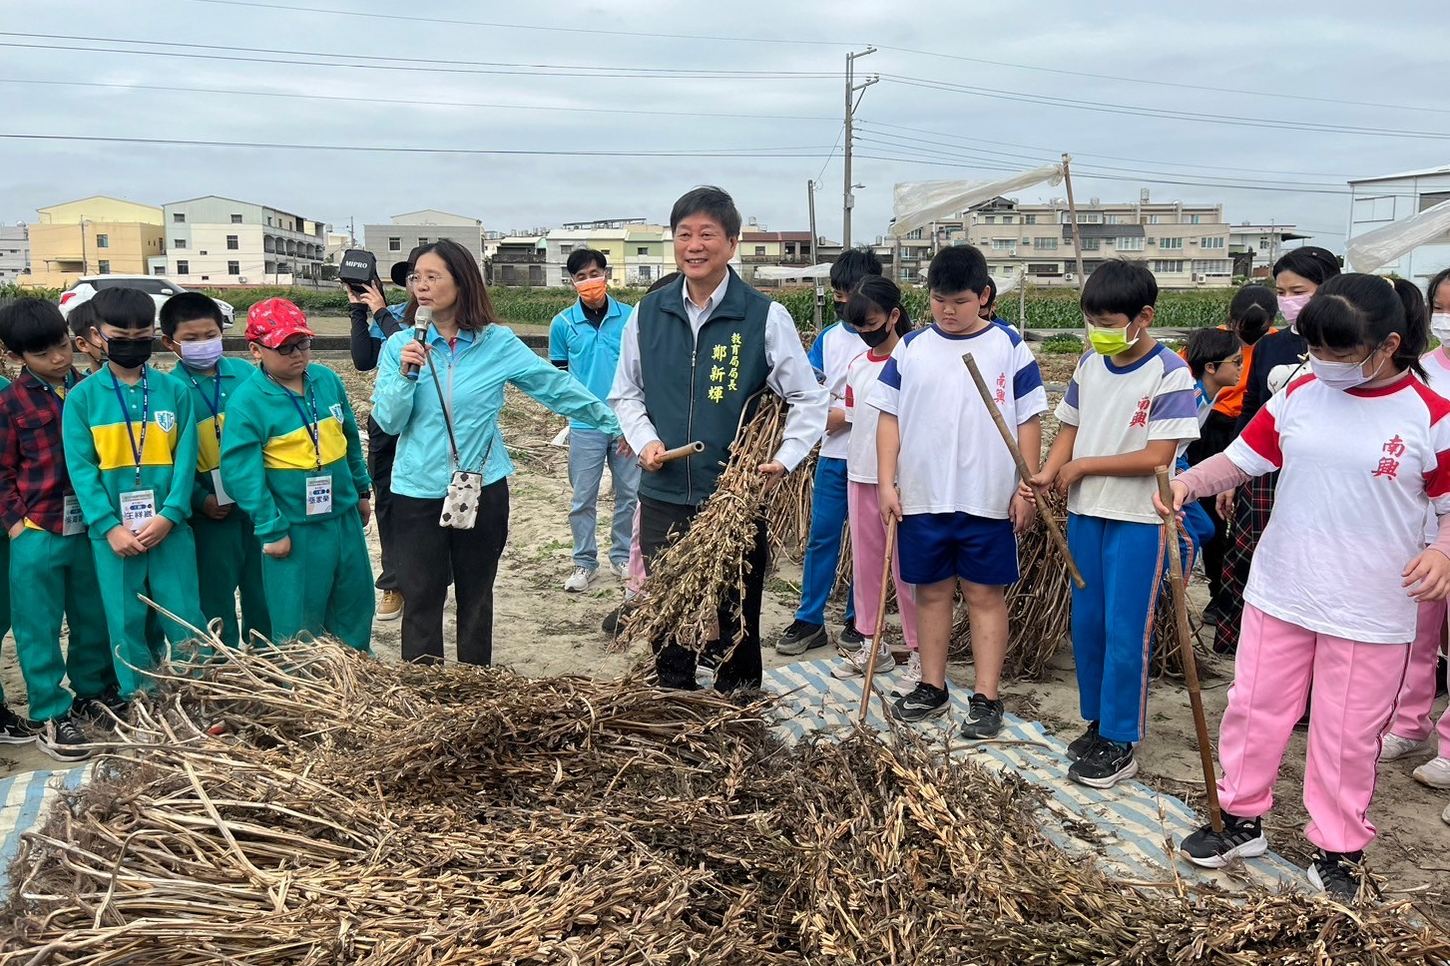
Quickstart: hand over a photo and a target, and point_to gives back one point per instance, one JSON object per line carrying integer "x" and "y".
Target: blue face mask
{"x": 201, "y": 355}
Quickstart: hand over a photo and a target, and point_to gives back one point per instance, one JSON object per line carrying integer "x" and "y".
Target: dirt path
{"x": 541, "y": 630}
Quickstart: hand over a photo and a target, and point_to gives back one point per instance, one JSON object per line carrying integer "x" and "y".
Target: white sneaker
{"x": 1393, "y": 747}
{"x": 910, "y": 678}
{"x": 855, "y": 665}
{"x": 1445, "y": 815}
{"x": 1435, "y": 773}
{"x": 620, "y": 570}
{"x": 579, "y": 580}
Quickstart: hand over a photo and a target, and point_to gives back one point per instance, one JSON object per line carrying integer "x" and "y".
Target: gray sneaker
{"x": 800, "y": 637}
{"x": 983, "y": 718}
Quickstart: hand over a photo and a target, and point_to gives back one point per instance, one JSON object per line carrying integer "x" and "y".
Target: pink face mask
{"x": 1291, "y": 305}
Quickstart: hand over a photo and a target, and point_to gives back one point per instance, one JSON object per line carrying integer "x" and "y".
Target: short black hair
{"x": 82, "y": 319}
{"x": 580, "y": 259}
{"x": 1356, "y": 310}
{"x": 125, "y": 308}
{"x": 876, "y": 291}
{"x": 1119, "y": 286}
{"x": 1208, "y": 346}
{"x": 1317, "y": 265}
{"x": 1435, "y": 283}
{"x": 989, "y": 297}
{"x": 662, "y": 281}
{"x": 1252, "y": 311}
{"x": 960, "y": 268}
{"x": 32, "y": 325}
{"x": 708, "y": 200}
{"x": 852, "y": 266}
{"x": 189, "y": 307}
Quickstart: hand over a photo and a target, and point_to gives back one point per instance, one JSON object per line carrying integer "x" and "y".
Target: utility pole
{"x": 815, "y": 253}
{"x": 852, "y": 102}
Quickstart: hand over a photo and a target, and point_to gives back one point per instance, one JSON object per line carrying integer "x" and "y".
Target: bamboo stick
{"x": 880, "y": 625}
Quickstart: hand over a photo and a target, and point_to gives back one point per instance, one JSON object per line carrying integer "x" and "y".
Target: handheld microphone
{"x": 421, "y": 320}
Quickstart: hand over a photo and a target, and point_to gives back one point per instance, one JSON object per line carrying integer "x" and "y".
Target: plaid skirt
{"x": 1252, "y": 505}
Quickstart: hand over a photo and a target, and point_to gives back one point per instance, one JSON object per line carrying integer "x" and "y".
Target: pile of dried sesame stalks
{"x": 355, "y": 812}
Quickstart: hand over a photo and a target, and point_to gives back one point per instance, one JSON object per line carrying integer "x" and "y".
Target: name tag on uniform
{"x": 71, "y": 521}
{"x": 319, "y": 495}
{"x": 221, "y": 495}
{"x": 138, "y": 508}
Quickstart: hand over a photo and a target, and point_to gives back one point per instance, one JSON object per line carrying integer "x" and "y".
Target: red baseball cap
{"x": 274, "y": 321}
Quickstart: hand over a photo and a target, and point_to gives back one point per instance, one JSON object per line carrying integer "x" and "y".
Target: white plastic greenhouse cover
{"x": 919, "y": 202}
{"x": 775, "y": 272}
{"x": 1373, "y": 250}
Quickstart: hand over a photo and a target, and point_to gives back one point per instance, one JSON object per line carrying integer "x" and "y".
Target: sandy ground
{"x": 541, "y": 630}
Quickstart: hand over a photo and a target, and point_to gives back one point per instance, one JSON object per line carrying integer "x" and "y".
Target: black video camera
{"x": 358, "y": 270}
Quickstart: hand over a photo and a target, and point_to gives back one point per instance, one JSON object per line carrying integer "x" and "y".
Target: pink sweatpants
{"x": 1417, "y": 697}
{"x": 868, "y": 548}
{"x": 1354, "y": 690}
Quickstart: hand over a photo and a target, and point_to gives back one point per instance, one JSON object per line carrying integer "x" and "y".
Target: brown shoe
{"x": 391, "y": 606}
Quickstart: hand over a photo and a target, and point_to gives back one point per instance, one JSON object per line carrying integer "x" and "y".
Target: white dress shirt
{"x": 790, "y": 376}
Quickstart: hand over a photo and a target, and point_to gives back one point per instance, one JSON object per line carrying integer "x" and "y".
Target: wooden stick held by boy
{"x": 1185, "y": 645}
{"x": 1054, "y": 528}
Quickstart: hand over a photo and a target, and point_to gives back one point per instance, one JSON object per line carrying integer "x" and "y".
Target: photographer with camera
{"x": 373, "y": 322}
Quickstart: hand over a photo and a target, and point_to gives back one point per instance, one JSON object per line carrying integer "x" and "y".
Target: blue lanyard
{"x": 137, "y": 449}
{"x": 311, "y": 426}
{"x": 46, "y": 387}
{"x": 214, "y": 403}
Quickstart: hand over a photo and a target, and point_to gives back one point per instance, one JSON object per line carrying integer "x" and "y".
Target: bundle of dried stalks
{"x": 697, "y": 574}
{"x": 353, "y": 812}
{"x": 789, "y": 518}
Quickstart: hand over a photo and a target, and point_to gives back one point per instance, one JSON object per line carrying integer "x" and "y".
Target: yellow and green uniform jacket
{"x": 275, "y": 441}
{"x": 101, "y": 454}
{"x": 208, "y": 392}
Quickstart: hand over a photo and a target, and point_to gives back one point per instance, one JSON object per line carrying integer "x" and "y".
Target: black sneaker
{"x": 851, "y": 639}
{"x": 1241, "y": 838}
{"x": 927, "y": 701}
{"x": 62, "y": 740}
{"x": 610, "y": 624}
{"x": 1105, "y": 764}
{"x": 99, "y": 710}
{"x": 1333, "y": 873}
{"x": 983, "y": 719}
{"x": 800, "y": 637}
{"x": 14, "y": 730}
{"x": 1083, "y": 742}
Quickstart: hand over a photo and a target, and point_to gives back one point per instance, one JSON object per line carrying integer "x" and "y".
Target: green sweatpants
{"x": 4, "y": 601}
{"x": 167, "y": 574}
{"x": 325, "y": 585}
{"x": 228, "y": 557}
{"x": 59, "y": 577}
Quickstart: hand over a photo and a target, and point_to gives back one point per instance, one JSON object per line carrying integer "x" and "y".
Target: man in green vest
{"x": 694, "y": 355}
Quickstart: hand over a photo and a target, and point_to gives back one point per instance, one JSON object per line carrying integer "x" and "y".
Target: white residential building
{"x": 14, "y": 252}
{"x": 392, "y": 242}
{"x": 1381, "y": 201}
{"x": 222, "y": 241}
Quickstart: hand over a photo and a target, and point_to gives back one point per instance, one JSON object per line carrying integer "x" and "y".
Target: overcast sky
{"x": 1327, "y": 56}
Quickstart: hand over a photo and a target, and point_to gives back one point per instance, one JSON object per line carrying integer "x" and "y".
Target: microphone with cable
{"x": 421, "y": 320}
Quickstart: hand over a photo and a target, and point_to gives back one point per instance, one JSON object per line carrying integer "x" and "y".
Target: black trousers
{"x": 676, "y": 664}
{"x": 381, "y": 450}
{"x": 426, "y": 553}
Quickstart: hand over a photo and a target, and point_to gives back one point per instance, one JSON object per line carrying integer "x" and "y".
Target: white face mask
{"x": 1440, "y": 328}
{"x": 1342, "y": 375}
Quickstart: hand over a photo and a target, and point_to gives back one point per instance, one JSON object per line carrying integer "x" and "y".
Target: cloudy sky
{"x": 535, "y": 114}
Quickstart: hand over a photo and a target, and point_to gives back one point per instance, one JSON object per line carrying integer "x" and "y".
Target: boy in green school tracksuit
{"x": 292, "y": 459}
{"x": 130, "y": 449}
{"x": 228, "y": 556}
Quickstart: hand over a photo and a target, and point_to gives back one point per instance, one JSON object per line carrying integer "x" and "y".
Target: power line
{"x": 1156, "y": 83}
{"x": 782, "y": 152}
{"x": 408, "y": 101}
{"x": 1135, "y": 111}
{"x": 416, "y": 64}
{"x": 592, "y": 31}
{"x": 826, "y": 163}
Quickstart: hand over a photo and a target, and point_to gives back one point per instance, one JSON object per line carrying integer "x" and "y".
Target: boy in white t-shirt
{"x": 958, "y": 507}
{"x": 1128, "y": 410}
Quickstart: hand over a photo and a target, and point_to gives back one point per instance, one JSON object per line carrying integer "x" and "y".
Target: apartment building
{"x": 213, "y": 240}
{"x": 519, "y": 261}
{"x": 98, "y": 235}
{"x": 14, "y": 253}
{"x": 392, "y": 242}
{"x": 1185, "y": 245}
{"x": 1255, "y": 247}
{"x": 1380, "y": 201}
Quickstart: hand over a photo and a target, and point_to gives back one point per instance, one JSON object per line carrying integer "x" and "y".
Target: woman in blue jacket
{"x": 465, "y": 362}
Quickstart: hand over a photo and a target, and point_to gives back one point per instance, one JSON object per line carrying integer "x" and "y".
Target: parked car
{"x": 160, "y": 289}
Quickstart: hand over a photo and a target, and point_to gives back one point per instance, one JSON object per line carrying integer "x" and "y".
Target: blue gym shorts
{"x": 939, "y": 546}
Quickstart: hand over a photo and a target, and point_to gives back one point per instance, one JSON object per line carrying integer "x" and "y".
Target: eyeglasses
{"x": 430, "y": 280}
{"x": 288, "y": 348}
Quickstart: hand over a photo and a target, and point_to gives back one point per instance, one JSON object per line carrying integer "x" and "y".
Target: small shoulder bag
{"x": 460, "y": 504}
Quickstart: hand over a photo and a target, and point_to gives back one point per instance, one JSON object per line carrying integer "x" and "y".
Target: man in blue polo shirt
{"x": 584, "y": 340}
